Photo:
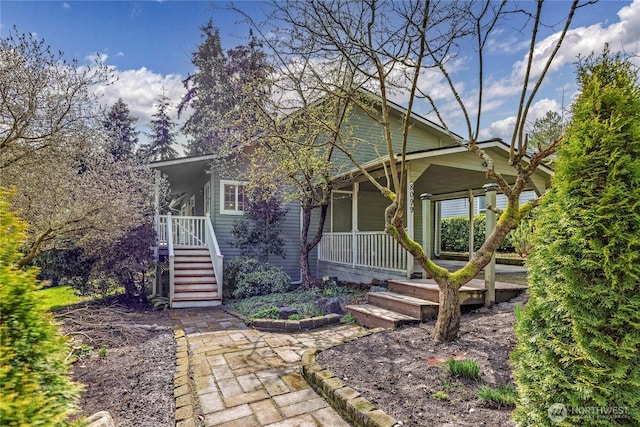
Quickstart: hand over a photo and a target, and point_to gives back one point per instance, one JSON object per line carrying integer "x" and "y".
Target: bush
{"x": 246, "y": 277}
{"x": 272, "y": 280}
{"x": 34, "y": 384}
{"x": 455, "y": 234}
{"x": 233, "y": 269}
{"x": 578, "y": 336}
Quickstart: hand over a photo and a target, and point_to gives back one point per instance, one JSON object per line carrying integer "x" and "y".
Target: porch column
{"x": 490, "y": 269}
{"x": 354, "y": 222}
{"x": 471, "y": 211}
{"x": 427, "y": 236}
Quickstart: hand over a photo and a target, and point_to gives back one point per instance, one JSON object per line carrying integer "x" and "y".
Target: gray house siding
{"x": 223, "y": 225}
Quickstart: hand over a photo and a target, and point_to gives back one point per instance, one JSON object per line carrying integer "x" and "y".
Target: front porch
{"x": 355, "y": 248}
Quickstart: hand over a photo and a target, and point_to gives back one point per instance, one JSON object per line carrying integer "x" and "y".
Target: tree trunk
{"x": 305, "y": 271}
{"x": 448, "y": 323}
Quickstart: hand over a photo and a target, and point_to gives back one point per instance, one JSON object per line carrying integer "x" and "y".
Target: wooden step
{"x": 405, "y": 304}
{"x": 376, "y": 317}
{"x": 191, "y": 252}
{"x": 192, "y": 259}
{"x": 190, "y": 303}
{"x": 197, "y": 287}
{"x": 195, "y": 295}
{"x": 194, "y": 272}
{"x": 428, "y": 290}
{"x": 194, "y": 280}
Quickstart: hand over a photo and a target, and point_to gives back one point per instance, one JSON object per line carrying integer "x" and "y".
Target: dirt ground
{"x": 130, "y": 370}
{"x": 127, "y": 362}
{"x": 399, "y": 371}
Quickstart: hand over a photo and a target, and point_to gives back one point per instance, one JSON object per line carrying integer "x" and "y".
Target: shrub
{"x": 34, "y": 384}
{"x": 268, "y": 281}
{"x": 234, "y": 269}
{"x": 521, "y": 238}
{"x": 469, "y": 369}
{"x": 455, "y": 234}
{"x": 267, "y": 313}
{"x": 578, "y": 335}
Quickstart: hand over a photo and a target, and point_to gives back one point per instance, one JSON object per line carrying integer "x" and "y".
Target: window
{"x": 233, "y": 197}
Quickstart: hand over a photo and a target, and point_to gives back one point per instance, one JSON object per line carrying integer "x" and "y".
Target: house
{"x": 194, "y": 233}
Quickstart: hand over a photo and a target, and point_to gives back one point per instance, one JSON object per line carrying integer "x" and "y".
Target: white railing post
{"x": 171, "y": 257}
{"x": 214, "y": 250}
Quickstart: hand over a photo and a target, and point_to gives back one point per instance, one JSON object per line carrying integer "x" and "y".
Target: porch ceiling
{"x": 183, "y": 175}
{"x": 451, "y": 174}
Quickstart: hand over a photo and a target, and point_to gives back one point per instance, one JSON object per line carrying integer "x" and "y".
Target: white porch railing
{"x": 189, "y": 231}
{"x": 374, "y": 249}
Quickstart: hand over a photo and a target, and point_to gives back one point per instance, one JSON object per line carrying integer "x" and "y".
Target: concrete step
{"x": 376, "y": 317}
{"x": 428, "y": 290}
{"x": 405, "y": 304}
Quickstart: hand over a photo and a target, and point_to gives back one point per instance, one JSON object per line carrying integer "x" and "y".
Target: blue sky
{"x": 148, "y": 44}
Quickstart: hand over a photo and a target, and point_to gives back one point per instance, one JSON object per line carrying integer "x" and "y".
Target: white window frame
{"x": 207, "y": 197}
{"x": 223, "y": 183}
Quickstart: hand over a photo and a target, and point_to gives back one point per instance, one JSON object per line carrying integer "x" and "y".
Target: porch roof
{"x": 182, "y": 172}
{"x": 450, "y": 172}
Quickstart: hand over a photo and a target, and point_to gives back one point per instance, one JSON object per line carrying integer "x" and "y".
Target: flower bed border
{"x": 277, "y": 325}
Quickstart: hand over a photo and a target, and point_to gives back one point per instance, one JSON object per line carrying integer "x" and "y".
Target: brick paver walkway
{"x": 243, "y": 377}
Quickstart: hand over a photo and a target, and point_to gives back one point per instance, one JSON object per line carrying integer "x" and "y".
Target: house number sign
{"x": 411, "y": 196}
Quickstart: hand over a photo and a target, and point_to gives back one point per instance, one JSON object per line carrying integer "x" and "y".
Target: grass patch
{"x": 58, "y": 297}
{"x": 301, "y": 299}
{"x": 503, "y": 395}
{"x": 469, "y": 369}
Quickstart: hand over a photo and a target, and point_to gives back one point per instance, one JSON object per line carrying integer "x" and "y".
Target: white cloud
{"x": 140, "y": 88}
{"x": 99, "y": 58}
{"x": 66, "y": 5}
{"x": 504, "y": 128}
{"x": 120, "y": 54}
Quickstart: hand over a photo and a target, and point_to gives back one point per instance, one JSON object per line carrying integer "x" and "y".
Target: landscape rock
{"x": 101, "y": 419}
{"x": 285, "y": 312}
{"x": 330, "y": 305}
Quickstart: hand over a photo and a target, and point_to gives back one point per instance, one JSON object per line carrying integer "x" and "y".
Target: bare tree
{"x": 389, "y": 47}
{"x": 54, "y": 152}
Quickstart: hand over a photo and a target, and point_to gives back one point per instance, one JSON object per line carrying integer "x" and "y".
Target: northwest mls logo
{"x": 557, "y": 412}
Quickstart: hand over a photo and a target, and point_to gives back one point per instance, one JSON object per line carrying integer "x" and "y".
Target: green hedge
{"x": 455, "y": 234}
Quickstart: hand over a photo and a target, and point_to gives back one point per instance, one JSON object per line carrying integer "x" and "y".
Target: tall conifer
{"x": 577, "y": 360}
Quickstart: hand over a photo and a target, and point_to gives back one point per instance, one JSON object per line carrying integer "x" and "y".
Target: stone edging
{"x": 345, "y": 400}
{"x": 276, "y": 325}
{"x": 183, "y": 393}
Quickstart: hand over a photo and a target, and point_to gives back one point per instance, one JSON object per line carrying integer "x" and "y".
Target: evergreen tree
{"x": 34, "y": 385}
{"x": 208, "y": 93}
{"x": 219, "y": 88}
{"x": 162, "y": 136}
{"x": 577, "y": 360}
{"x": 120, "y": 126}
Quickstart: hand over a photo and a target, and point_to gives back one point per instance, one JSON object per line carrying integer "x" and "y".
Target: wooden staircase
{"x": 415, "y": 301}
{"x": 195, "y": 283}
